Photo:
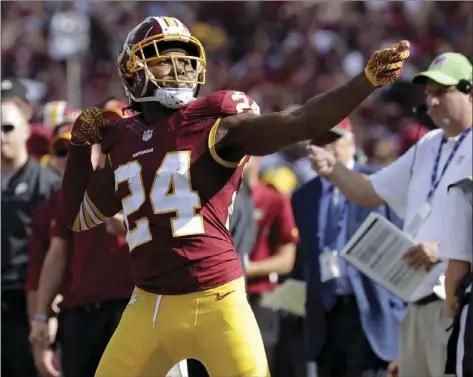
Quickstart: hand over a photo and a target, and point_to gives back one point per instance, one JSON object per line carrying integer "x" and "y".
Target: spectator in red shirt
{"x": 101, "y": 286}
{"x": 274, "y": 250}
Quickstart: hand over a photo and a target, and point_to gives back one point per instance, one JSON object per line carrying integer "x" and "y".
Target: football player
{"x": 174, "y": 169}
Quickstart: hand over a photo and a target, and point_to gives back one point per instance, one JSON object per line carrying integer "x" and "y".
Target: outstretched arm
{"x": 251, "y": 134}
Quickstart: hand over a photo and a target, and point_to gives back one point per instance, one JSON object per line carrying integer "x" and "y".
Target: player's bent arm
{"x": 88, "y": 196}
{"x": 354, "y": 186}
{"x": 52, "y": 275}
{"x": 250, "y": 134}
{"x": 74, "y": 183}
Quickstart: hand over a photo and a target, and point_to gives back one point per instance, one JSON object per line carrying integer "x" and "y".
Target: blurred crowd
{"x": 279, "y": 53}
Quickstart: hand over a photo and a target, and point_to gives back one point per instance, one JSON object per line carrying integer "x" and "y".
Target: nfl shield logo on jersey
{"x": 148, "y": 134}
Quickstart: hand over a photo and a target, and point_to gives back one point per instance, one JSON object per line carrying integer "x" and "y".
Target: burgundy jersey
{"x": 176, "y": 194}
{"x": 275, "y": 227}
{"x": 38, "y": 246}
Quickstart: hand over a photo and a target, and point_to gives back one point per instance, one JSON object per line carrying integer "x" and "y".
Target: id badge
{"x": 419, "y": 218}
{"x": 329, "y": 266}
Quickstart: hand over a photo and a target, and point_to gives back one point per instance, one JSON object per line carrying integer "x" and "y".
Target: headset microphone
{"x": 423, "y": 117}
{"x": 464, "y": 86}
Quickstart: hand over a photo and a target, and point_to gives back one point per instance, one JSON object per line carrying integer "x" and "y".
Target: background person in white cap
{"x": 415, "y": 186}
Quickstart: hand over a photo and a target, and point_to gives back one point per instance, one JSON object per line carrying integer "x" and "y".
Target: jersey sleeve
{"x": 38, "y": 245}
{"x": 233, "y": 103}
{"x": 88, "y": 196}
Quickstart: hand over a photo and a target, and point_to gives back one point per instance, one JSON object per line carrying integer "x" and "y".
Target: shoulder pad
{"x": 112, "y": 133}
{"x": 220, "y": 104}
{"x": 235, "y": 102}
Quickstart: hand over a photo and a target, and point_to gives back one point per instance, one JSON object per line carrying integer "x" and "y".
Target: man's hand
{"x": 46, "y": 361}
{"x": 321, "y": 159}
{"x": 450, "y": 306}
{"x": 421, "y": 255}
{"x": 39, "y": 334}
{"x": 116, "y": 225}
{"x": 89, "y": 127}
{"x": 393, "y": 370}
{"x": 385, "y": 66}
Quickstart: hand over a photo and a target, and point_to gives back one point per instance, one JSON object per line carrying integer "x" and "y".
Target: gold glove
{"x": 89, "y": 127}
{"x": 385, "y": 66}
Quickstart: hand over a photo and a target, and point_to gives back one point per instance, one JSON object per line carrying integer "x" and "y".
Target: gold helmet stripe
{"x": 53, "y": 112}
{"x": 170, "y": 21}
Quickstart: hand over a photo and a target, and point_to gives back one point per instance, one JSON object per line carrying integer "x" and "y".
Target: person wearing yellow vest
{"x": 456, "y": 247}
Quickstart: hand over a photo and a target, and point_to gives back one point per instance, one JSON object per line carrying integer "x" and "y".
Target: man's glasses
{"x": 6, "y": 128}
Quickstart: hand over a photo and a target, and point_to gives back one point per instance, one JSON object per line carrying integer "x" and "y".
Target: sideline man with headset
{"x": 457, "y": 247}
{"x": 415, "y": 187}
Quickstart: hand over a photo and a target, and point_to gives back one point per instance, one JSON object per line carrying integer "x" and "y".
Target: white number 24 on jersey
{"x": 171, "y": 192}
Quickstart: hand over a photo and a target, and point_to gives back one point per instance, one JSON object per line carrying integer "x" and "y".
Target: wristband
{"x": 79, "y": 145}
{"x": 40, "y": 318}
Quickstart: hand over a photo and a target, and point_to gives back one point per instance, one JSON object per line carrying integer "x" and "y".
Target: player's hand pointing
{"x": 385, "y": 66}
{"x": 89, "y": 127}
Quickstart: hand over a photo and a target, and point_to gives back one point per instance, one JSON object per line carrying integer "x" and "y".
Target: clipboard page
{"x": 376, "y": 249}
{"x": 289, "y": 296}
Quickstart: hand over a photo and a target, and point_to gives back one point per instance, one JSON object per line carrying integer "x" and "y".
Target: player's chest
{"x": 152, "y": 145}
{"x": 155, "y": 160}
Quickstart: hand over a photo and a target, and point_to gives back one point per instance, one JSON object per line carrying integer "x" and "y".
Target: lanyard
{"x": 342, "y": 209}
{"x": 434, "y": 182}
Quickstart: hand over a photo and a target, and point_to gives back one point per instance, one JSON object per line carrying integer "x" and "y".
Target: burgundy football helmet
{"x": 143, "y": 46}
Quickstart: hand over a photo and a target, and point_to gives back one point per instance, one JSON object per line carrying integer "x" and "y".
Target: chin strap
{"x": 173, "y": 98}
